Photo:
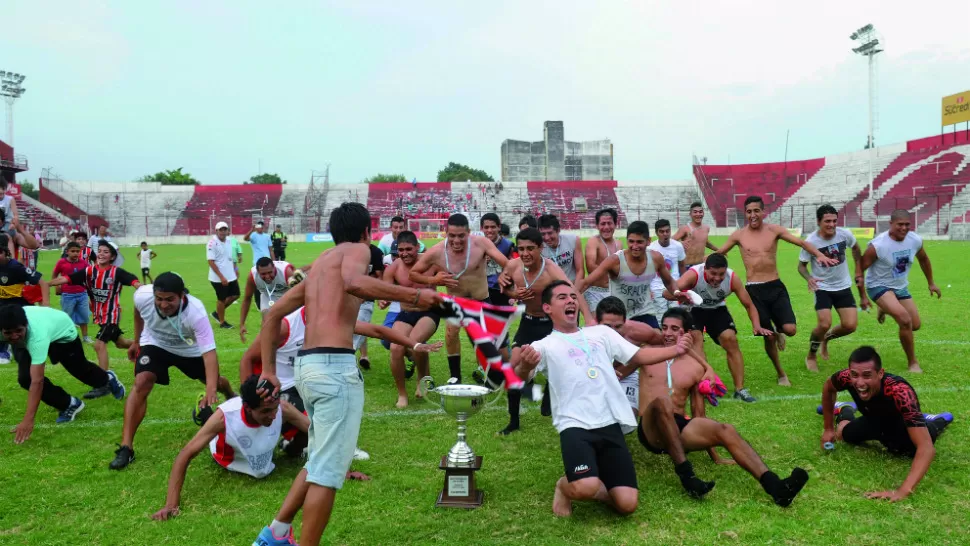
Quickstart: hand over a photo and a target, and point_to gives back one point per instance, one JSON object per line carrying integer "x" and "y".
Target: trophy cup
{"x": 461, "y": 463}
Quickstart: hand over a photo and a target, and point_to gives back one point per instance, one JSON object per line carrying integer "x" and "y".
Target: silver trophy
{"x": 460, "y": 464}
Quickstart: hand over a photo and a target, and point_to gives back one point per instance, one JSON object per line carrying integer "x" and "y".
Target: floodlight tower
{"x": 869, "y": 47}
{"x": 11, "y": 90}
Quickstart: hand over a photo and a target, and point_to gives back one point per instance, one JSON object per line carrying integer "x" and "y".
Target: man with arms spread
{"x": 832, "y": 285}
{"x": 461, "y": 263}
{"x": 36, "y": 333}
{"x": 222, "y": 272}
{"x": 74, "y": 298}
{"x": 631, "y": 272}
{"x": 562, "y": 248}
{"x": 665, "y": 428}
{"x": 694, "y": 236}
{"x": 674, "y": 256}
{"x": 759, "y": 252}
{"x": 598, "y": 249}
{"x": 714, "y": 281}
{"x": 325, "y": 368}
{"x": 887, "y": 261}
{"x": 588, "y": 405}
{"x": 890, "y": 412}
{"x": 171, "y": 329}
{"x": 524, "y": 279}
{"x": 270, "y": 280}
{"x": 387, "y": 246}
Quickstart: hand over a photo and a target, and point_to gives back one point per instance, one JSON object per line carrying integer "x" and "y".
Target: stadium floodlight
{"x": 11, "y": 90}
{"x": 869, "y": 46}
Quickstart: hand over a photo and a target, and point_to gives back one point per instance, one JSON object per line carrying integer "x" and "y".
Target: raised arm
{"x": 271, "y": 329}
{"x": 215, "y": 425}
{"x": 927, "y": 267}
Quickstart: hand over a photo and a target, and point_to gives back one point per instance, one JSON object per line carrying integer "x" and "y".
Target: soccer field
{"x": 58, "y": 489}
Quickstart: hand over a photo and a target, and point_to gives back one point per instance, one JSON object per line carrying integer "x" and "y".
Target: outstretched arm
{"x": 176, "y": 479}
{"x": 601, "y": 272}
{"x": 787, "y": 236}
{"x": 728, "y": 245}
{"x": 378, "y": 331}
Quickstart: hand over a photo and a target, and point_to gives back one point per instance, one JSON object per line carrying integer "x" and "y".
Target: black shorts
{"x": 145, "y": 271}
{"x": 109, "y": 333}
{"x": 292, "y": 397}
{"x": 157, "y": 361}
{"x": 599, "y": 453}
{"x": 532, "y": 329}
{"x": 412, "y": 317}
{"x": 225, "y": 292}
{"x": 773, "y": 304}
{"x": 840, "y": 299}
{"x": 715, "y": 320}
{"x": 682, "y": 423}
{"x": 649, "y": 320}
{"x": 497, "y": 297}
{"x": 893, "y": 436}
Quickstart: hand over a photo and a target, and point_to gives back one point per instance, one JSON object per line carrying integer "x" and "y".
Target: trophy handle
{"x": 427, "y": 386}
{"x": 495, "y": 395}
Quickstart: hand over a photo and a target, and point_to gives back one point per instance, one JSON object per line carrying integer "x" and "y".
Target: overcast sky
{"x": 120, "y": 89}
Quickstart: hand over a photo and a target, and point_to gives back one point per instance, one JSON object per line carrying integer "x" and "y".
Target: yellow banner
{"x": 863, "y": 232}
{"x": 956, "y": 108}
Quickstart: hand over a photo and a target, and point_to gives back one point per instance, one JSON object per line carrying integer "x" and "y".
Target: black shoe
{"x": 225, "y": 326}
{"x": 123, "y": 457}
{"x": 508, "y": 430}
{"x": 479, "y": 376}
{"x": 365, "y": 364}
{"x": 215, "y": 316}
{"x": 694, "y": 486}
{"x": 97, "y": 392}
{"x": 789, "y": 487}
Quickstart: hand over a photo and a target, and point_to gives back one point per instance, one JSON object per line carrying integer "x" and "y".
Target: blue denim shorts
{"x": 876, "y": 292}
{"x": 77, "y": 307}
{"x": 333, "y": 393}
{"x": 389, "y": 322}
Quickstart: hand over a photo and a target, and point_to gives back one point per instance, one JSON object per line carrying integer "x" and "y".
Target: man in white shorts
{"x": 674, "y": 256}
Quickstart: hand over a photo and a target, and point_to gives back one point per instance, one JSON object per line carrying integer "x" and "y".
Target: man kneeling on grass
{"x": 890, "y": 412}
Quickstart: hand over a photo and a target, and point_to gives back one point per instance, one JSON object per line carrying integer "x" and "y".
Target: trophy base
{"x": 459, "y": 490}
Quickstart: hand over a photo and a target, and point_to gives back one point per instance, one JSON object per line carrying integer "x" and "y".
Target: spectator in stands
{"x": 74, "y": 298}
{"x": 279, "y": 243}
{"x": 260, "y": 242}
{"x": 222, "y": 272}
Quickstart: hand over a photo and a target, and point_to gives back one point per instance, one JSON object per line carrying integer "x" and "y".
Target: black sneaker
{"x": 215, "y": 316}
{"x": 479, "y": 376}
{"x": 790, "y": 487}
{"x": 225, "y": 326}
{"x": 365, "y": 364}
{"x": 123, "y": 457}
{"x": 97, "y": 392}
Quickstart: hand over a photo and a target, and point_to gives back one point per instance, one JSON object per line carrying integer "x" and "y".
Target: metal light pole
{"x": 869, "y": 47}
{"x": 11, "y": 90}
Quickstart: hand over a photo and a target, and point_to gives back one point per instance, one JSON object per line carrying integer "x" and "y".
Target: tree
{"x": 456, "y": 172}
{"x": 381, "y": 177}
{"x": 28, "y": 189}
{"x": 266, "y": 178}
{"x": 170, "y": 178}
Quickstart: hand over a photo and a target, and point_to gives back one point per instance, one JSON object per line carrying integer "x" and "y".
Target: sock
{"x": 813, "y": 345}
{"x": 454, "y": 366}
{"x": 695, "y": 487}
{"x": 515, "y": 398}
{"x": 770, "y": 482}
{"x": 846, "y": 413}
{"x": 783, "y": 491}
{"x": 279, "y": 528}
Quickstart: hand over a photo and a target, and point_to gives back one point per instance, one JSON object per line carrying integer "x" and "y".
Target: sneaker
{"x": 98, "y": 392}
{"x": 364, "y": 363}
{"x": 215, "y": 316}
{"x": 71, "y": 412}
{"x": 943, "y": 419}
{"x": 267, "y": 538}
{"x": 225, "y": 326}
{"x": 115, "y": 385}
{"x": 5, "y": 356}
{"x": 123, "y": 457}
{"x": 453, "y": 381}
{"x": 479, "y": 376}
{"x": 744, "y": 395}
{"x": 87, "y": 339}
{"x": 409, "y": 369}
{"x": 838, "y": 407}
{"x": 361, "y": 455}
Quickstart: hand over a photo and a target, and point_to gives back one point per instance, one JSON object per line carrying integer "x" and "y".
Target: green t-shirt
{"x": 236, "y": 250}
{"x": 46, "y": 325}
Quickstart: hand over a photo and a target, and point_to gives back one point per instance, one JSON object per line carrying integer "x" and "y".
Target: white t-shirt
{"x": 146, "y": 258}
{"x": 893, "y": 260}
{"x": 221, "y": 253}
{"x": 673, "y": 254}
{"x": 286, "y": 352}
{"x": 579, "y": 401}
{"x": 191, "y": 323}
{"x": 834, "y": 278}
{"x": 245, "y": 447}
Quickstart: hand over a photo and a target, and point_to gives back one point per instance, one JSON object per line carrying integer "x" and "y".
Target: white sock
{"x": 279, "y": 528}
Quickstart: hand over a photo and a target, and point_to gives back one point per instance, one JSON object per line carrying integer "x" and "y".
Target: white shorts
{"x": 661, "y": 304}
{"x": 631, "y": 388}
{"x": 594, "y": 295}
{"x": 364, "y": 315}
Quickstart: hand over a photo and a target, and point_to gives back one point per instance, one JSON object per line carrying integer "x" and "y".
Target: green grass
{"x": 58, "y": 489}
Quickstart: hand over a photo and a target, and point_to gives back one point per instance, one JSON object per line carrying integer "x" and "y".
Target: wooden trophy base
{"x": 459, "y": 490}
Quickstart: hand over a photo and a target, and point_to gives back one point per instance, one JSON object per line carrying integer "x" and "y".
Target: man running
{"x": 673, "y": 255}
{"x": 325, "y": 368}
{"x": 562, "y": 248}
{"x": 832, "y": 286}
{"x": 759, "y": 252}
{"x": 694, "y": 236}
{"x": 525, "y": 278}
{"x": 598, "y": 249}
{"x": 665, "y": 428}
{"x": 270, "y": 280}
{"x": 223, "y": 273}
{"x": 588, "y": 404}
{"x": 631, "y": 272}
{"x": 387, "y": 246}
{"x": 39, "y": 333}
{"x": 887, "y": 261}
{"x": 74, "y": 298}
{"x": 171, "y": 330}
{"x": 891, "y": 415}
{"x": 714, "y": 281}
{"x": 461, "y": 263}
{"x": 491, "y": 227}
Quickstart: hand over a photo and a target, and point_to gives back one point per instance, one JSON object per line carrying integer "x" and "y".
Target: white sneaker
{"x": 87, "y": 339}
{"x": 361, "y": 455}
{"x": 4, "y": 360}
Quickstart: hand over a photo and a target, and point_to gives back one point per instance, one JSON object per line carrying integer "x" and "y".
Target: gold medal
{"x": 189, "y": 341}
{"x": 271, "y": 303}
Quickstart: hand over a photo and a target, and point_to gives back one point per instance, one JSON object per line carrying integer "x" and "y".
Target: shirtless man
{"x": 562, "y": 248}
{"x": 759, "y": 252}
{"x": 332, "y": 293}
{"x": 694, "y": 236}
{"x": 524, "y": 279}
{"x": 598, "y": 249}
{"x": 630, "y": 272}
{"x": 665, "y": 428}
{"x": 461, "y": 263}
{"x": 410, "y": 322}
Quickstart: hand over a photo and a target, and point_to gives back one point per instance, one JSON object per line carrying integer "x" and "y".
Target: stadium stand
{"x": 573, "y": 202}
{"x": 236, "y": 205}
{"x": 653, "y": 200}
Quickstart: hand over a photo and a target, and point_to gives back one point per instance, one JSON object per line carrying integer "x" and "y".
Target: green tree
{"x": 381, "y": 177}
{"x": 266, "y": 178}
{"x": 456, "y": 172}
{"x": 170, "y": 178}
{"x": 28, "y": 189}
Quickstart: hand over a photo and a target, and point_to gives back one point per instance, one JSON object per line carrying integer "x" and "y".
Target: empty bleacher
{"x": 559, "y": 198}
{"x": 236, "y": 205}
{"x": 651, "y": 201}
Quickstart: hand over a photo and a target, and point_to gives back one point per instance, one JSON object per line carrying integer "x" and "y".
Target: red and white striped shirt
{"x": 104, "y": 288}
